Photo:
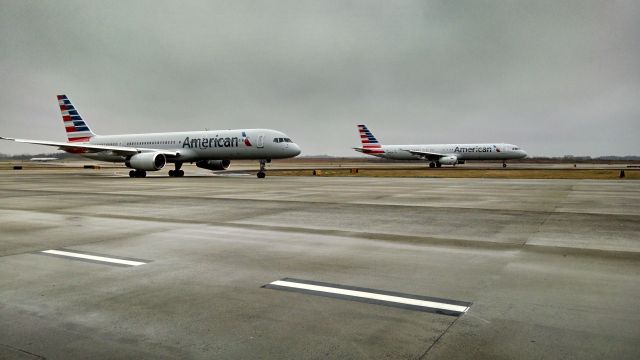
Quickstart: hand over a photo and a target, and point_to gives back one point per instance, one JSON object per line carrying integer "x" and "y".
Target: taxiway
{"x": 547, "y": 268}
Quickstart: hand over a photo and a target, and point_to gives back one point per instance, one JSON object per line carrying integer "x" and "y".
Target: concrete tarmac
{"x": 551, "y": 267}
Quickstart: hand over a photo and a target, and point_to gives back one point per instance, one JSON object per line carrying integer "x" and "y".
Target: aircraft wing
{"x": 93, "y": 148}
{"x": 425, "y": 154}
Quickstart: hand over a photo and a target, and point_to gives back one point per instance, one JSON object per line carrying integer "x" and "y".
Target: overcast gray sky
{"x": 555, "y": 77}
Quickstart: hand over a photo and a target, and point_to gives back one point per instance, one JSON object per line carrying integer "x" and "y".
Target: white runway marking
{"x": 94, "y": 257}
{"x": 373, "y": 296}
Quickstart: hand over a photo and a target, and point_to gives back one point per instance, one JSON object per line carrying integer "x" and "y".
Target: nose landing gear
{"x": 263, "y": 164}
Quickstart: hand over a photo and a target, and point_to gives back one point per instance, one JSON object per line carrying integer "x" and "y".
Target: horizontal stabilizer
{"x": 370, "y": 151}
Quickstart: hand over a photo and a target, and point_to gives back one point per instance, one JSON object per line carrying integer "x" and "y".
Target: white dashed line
{"x": 94, "y": 257}
{"x": 381, "y": 297}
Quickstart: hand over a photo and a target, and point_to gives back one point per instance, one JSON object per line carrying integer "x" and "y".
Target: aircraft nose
{"x": 294, "y": 149}
{"x": 523, "y": 153}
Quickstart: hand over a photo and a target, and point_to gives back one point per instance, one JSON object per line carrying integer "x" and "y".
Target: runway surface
{"x": 97, "y": 265}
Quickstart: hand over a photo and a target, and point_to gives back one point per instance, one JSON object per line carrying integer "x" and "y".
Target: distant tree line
{"x": 59, "y": 155}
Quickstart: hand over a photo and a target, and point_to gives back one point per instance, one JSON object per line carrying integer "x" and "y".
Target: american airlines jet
{"x": 438, "y": 154}
{"x": 212, "y": 150}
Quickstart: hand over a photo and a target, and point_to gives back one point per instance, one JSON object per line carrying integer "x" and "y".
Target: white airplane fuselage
{"x": 193, "y": 146}
{"x": 460, "y": 151}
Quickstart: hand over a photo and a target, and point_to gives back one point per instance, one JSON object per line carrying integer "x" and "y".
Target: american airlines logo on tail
{"x": 370, "y": 144}
{"x": 77, "y": 129}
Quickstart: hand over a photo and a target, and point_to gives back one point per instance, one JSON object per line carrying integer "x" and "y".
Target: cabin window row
{"x": 163, "y": 142}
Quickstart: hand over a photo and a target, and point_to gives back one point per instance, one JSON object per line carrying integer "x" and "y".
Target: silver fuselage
{"x": 202, "y": 145}
{"x": 461, "y": 151}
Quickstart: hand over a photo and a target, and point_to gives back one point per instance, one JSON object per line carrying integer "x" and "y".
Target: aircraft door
{"x": 260, "y": 141}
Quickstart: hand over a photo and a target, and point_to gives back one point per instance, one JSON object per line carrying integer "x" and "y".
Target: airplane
{"x": 211, "y": 149}
{"x": 438, "y": 154}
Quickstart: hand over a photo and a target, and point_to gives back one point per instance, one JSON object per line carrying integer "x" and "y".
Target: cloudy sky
{"x": 555, "y": 77}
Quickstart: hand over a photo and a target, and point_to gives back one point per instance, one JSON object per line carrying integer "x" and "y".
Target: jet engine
{"x": 151, "y": 161}
{"x": 213, "y": 164}
{"x": 448, "y": 160}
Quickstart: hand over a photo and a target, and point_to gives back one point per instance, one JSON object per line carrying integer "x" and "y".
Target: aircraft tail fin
{"x": 367, "y": 139}
{"x": 77, "y": 129}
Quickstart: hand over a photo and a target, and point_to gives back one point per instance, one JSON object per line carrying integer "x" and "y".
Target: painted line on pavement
{"x": 373, "y": 296}
{"x": 95, "y": 258}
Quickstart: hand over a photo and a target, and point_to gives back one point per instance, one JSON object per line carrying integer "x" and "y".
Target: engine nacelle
{"x": 449, "y": 160}
{"x": 151, "y": 161}
{"x": 214, "y": 164}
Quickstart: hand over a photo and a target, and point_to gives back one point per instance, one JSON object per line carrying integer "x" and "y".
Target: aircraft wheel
{"x": 432, "y": 165}
{"x": 438, "y": 164}
{"x": 172, "y": 173}
{"x": 142, "y": 173}
{"x": 180, "y": 173}
{"x": 504, "y": 165}
{"x": 132, "y": 173}
{"x": 261, "y": 175}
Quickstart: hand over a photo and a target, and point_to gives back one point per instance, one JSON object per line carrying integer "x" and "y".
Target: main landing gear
{"x": 137, "y": 173}
{"x": 263, "y": 164}
{"x": 177, "y": 172}
{"x": 435, "y": 164}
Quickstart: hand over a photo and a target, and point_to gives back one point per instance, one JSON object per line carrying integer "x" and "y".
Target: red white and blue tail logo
{"x": 370, "y": 144}
{"x": 77, "y": 129}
